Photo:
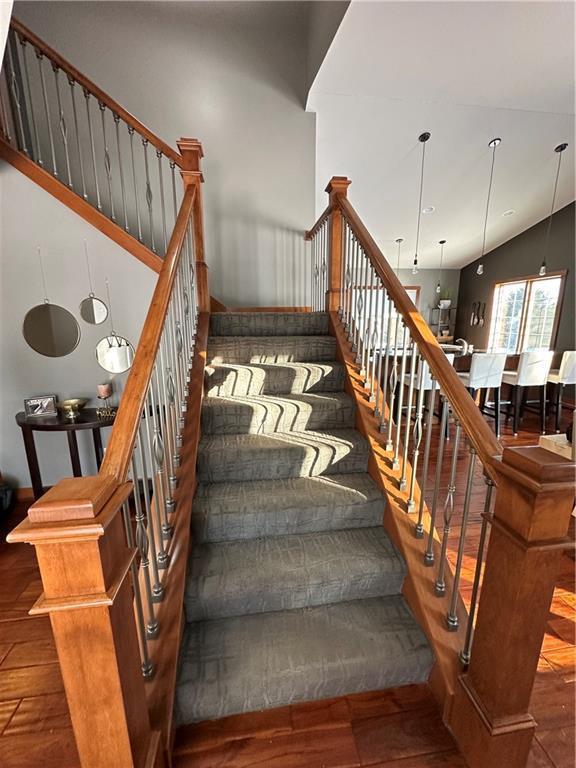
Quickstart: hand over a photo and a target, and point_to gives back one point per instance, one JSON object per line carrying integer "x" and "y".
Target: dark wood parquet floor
{"x": 392, "y": 729}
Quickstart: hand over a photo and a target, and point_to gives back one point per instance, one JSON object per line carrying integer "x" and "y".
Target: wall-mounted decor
{"x": 92, "y": 309}
{"x": 43, "y": 405}
{"x": 114, "y": 353}
{"x": 48, "y": 328}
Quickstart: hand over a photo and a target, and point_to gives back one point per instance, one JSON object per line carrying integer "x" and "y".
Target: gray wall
{"x": 427, "y": 280}
{"x": 520, "y": 257}
{"x": 233, "y": 74}
{"x": 30, "y": 218}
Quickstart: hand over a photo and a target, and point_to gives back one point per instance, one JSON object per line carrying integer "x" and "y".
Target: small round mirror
{"x": 114, "y": 353}
{"x": 51, "y": 330}
{"x": 93, "y": 310}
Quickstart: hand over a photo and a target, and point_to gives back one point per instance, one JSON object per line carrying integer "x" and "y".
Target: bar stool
{"x": 423, "y": 378}
{"x": 486, "y": 371}
{"x": 533, "y": 369}
{"x": 566, "y": 374}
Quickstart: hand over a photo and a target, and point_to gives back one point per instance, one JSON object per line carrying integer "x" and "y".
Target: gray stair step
{"x": 265, "y": 414}
{"x": 266, "y": 660}
{"x": 234, "y": 458}
{"x": 239, "y": 380}
{"x": 269, "y": 324}
{"x": 237, "y": 578}
{"x": 270, "y": 349}
{"x": 231, "y": 511}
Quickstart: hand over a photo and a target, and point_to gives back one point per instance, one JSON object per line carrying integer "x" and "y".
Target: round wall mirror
{"x": 51, "y": 330}
{"x": 93, "y": 310}
{"x": 114, "y": 353}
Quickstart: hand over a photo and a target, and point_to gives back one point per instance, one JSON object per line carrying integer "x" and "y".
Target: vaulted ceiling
{"x": 467, "y": 72}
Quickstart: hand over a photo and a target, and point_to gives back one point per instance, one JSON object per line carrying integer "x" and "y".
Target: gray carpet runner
{"x": 293, "y": 588}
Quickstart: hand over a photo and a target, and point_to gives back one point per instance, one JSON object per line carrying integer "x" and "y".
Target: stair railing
{"x": 69, "y": 127}
{"x": 486, "y": 656}
{"x": 113, "y": 548}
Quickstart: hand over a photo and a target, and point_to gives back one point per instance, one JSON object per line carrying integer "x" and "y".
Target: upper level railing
{"x": 487, "y": 637}
{"x": 72, "y": 129}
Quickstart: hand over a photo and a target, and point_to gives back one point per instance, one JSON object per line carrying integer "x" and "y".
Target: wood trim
{"x": 217, "y": 306}
{"x": 80, "y": 206}
{"x": 94, "y": 90}
{"x": 476, "y": 428}
{"x": 309, "y": 235}
{"x": 119, "y": 450}
{"x": 419, "y": 583}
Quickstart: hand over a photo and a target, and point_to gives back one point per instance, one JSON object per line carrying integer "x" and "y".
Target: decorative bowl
{"x": 71, "y": 408}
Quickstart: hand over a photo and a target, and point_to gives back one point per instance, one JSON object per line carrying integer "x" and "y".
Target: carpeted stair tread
{"x": 270, "y": 349}
{"x": 247, "y": 510}
{"x": 266, "y": 660}
{"x": 280, "y": 574}
{"x": 233, "y": 458}
{"x": 238, "y": 380}
{"x": 269, "y": 324}
{"x": 265, "y": 414}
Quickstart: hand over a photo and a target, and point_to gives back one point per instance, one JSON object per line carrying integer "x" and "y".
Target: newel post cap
{"x": 192, "y": 153}
{"x": 338, "y": 185}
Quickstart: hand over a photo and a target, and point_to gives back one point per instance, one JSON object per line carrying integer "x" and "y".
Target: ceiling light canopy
{"x": 398, "y": 241}
{"x": 509, "y": 212}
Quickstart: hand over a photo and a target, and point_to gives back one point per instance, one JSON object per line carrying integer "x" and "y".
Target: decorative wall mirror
{"x": 48, "y": 328}
{"x": 114, "y": 353}
{"x": 92, "y": 309}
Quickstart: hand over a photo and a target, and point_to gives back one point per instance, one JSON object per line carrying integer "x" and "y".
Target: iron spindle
{"x": 23, "y": 43}
{"x": 121, "y": 170}
{"x": 393, "y": 381}
{"x": 419, "y": 528}
{"x": 380, "y": 309}
{"x": 72, "y": 85}
{"x": 107, "y": 160}
{"x": 429, "y": 554}
{"x": 149, "y": 195}
{"x": 162, "y": 201}
{"x": 383, "y": 425}
{"x": 40, "y": 57}
{"x": 158, "y": 501}
{"x": 416, "y": 435}
{"x": 440, "y": 585}
{"x": 16, "y": 95}
{"x": 143, "y": 545}
{"x": 92, "y": 147}
{"x": 131, "y": 135}
{"x": 5, "y": 122}
{"x": 157, "y": 588}
{"x": 413, "y": 359}
{"x": 405, "y": 351}
{"x": 62, "y": 123}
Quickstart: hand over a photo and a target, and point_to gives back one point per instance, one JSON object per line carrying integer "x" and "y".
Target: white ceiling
{"x": 467, "y": 72}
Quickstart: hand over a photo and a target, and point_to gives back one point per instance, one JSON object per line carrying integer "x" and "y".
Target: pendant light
{"x": 441, "y": 243}
{"x": 398, "y": 241}
{"x": 423, "y": 138}
{"x": 493, "y": 144}
{"x": 559, "y": 149}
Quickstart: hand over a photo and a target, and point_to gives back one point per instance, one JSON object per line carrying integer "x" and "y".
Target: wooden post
{"x": 489, "y": 716}
{"x": 337, "y": 187}
{"x": 192, "y": 154}
{"x": 84, "y": 563}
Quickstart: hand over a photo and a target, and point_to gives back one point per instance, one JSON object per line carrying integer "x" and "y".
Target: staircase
{"x": 294, "y": 589}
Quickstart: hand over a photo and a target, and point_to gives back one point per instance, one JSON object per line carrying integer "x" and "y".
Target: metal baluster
{"x": 347, "y": 278}
{"x": 143, "y": 548}
{"x": 486, "y": 517}
{"x": 392, "y": 383}
{"x": 416, "y": 435}
{"x": 452, "y": 618}
{"x": 368, "y": 333}
{"x": 40, "y": 56}
{"x": 121, "y": 170}
{"x": 72, "y": 85}
{"x": 440, "y": 585}
{"x": 375, "y": 286}
{"x": 146, "y": 666}
{"x": 343, "y": 227}
{"x": 406, "y": 348}
{"x": 92, "y": 147}
{"x": 382, "y": 298}
{"x": 429, "y": 554}
{"x": 173, "y": 181}
{"x": 362, "y": 306}
{"x": 316, "y": 273}
{"x": 160, "y": 457}
{"x": 157, "y": 588}
{"x": 413, "y": 359}
{"x": 162, "y": 203}
{"x": 172, "y": 427}
{"x": 162, "y": 556}
{"x": 149, "y": 196}
{"x": 107, "y": 161}
{"x": 5, "y": 123}
{"x": 383, "y": 425}
{"x": 24, "y": 45}
{"x": 324, "y": 269}
{"x": 14, "y": 87}
{"x": 62, "y": 122}
{"x": 131, "y": 135}
{"x": 419, "y": 529}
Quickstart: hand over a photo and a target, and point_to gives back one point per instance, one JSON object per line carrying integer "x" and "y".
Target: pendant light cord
{"x": 420, "y": 199}
{"x": 549, "y": 227}
{"x": 88, "y": 268}
{"x": 488, "y": 200}
{"x": 112, "y": 331}
{"x": 46, "y": 300}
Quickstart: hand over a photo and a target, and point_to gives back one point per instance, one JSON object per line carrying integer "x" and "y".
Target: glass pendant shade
{"x": 480, "y": 269}
{"x": 542, "y": 270}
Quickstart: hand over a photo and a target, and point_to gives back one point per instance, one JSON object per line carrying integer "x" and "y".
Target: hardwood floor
{"x": 400, "y": 728}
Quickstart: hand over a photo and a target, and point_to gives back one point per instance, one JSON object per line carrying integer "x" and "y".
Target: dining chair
{"x": 566, "y": 374}
{"x": 533, "y": 368}
{"x": 423, "y": 380}
{"x": 486, "y": 371}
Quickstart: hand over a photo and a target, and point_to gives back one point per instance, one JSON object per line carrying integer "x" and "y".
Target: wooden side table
{"x": 86, "y": 419}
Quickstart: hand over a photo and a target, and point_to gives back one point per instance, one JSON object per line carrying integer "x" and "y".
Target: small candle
{"x": 104, "y": 390}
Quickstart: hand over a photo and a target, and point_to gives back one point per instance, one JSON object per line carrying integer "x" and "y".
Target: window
{"x": 525, "y": 313}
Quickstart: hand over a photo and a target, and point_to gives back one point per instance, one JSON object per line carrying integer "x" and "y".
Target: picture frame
{"x": 41, "y": 405}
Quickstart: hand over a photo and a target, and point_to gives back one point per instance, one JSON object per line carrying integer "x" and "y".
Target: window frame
{"x": 530, "y": 279}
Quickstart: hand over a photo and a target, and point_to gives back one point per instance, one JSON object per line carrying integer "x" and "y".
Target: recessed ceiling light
{"x": 509, "y": 212}
{"x": 428, "y": 209}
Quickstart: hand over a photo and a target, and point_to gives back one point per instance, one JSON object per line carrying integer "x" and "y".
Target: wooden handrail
{"x": 321, "y": 219}
{"x": 475, "y": 427}
{"x": 95, "y": 91}
{"x": 119, "y": 450}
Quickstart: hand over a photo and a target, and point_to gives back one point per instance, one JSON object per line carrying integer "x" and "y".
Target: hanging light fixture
{"x": 441, "y": 243}
{"x": 423, "y": 138}
{"x": 493, "y": 144}
{"x": 398, "y": 241}
{"x": 559, "y": 149}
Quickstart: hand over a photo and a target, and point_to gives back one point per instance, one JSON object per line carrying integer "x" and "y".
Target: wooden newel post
{"x": 489, "y": 716}
{"x": 84, "y": 561}
{"x": 192, "y": 154}
{"x": 337, "y": 188}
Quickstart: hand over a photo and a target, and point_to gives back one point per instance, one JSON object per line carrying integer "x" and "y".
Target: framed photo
{"x": 43, "y": 405}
